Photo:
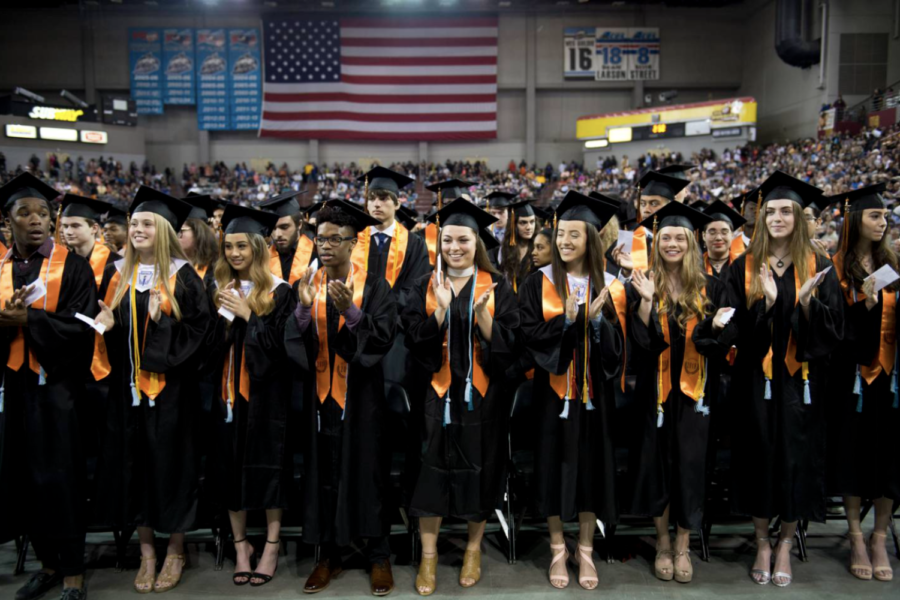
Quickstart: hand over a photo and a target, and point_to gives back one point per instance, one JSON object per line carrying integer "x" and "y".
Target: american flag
{"x": 379, "y": 78}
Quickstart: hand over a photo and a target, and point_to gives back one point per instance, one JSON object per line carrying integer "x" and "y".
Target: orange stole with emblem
{"x": 299, "y": 263}
{"x": 396, "y": 252}
{"x": 440, "y": 381}
{"x": 326, "y": 382}
{"x": 692, "y": 379}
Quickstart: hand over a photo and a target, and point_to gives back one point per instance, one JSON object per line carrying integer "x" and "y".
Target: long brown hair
{"x": 259, "y": 300}
{"x": 481, "y": 256}
{"x": 593, "y": 254}
{"x": 206, "y": 249}
{"x": 510, "y": 264}
{"x": 801, "y": 250}
{"x": 691, "y": 302}
{"x": 882, "y": 253}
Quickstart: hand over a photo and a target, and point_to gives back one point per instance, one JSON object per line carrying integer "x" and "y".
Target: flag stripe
{"x": 447, "y": 80}
{"x": 418, "y": 61}
{"x": 427, "y": 90}
{"x": 489, "y": 71}
{"x": 412, "y": 127}
{"x": 415, "y": 42}
{"x": 375, "y": 100}
{"x": 381, "y": 118}
{"x": 271, "y": 108}
{"x": 442, "y": 32}
{"x": 327, "y": 134}
{"x": 462, "y": 51}
{"x": 399, "y": 23}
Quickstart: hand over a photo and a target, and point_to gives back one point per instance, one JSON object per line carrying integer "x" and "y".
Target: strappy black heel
{"x": 264, "y": 579}
{"x": 246, "y": 575}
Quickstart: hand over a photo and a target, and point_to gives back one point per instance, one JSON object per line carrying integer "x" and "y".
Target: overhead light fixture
{"x": 73, "y": 99}
{"x": 618, "y": 135}
{"x": 596, "y": 144}
{"x": 20, "y": 91}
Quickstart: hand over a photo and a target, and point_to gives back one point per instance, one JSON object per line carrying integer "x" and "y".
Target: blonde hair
{"x": 609, "y": 235}
{"x": 260, "y": 302}
{"x": 691, "y": 301}
{"x": 801, "y": 250}
{"x": 165, "y": 247}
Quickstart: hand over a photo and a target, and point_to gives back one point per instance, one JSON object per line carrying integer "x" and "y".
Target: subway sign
{"x": 52, "y": 113}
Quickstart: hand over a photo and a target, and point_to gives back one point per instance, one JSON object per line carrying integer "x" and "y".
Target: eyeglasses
{"x": 334, "y": 240}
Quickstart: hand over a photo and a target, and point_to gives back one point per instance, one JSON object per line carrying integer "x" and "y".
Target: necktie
{"x": 381, "y": 239}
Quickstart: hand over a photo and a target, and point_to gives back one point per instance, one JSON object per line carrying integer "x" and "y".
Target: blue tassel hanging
{"x": 896, "y": 399}
{"x": 343, "y": 412}
{"x": 2, "y": 398}
{"x": 470, "y": 404}
{"x": 447, "y": 410}
{"x": 318, "y": 421}
{"x": 152, "y": 402}
{"x": 807, "y": 399}
{"x": 857, "y": 384}
{"x": 659, "y": 417}
{"x": 768, "y": 393}
{"x": 230, "y": 416}
{"x": 135, "y": 396}
{"x": 42, "y": 377}
{"x": 565, "y": 413}
{"x": 700, "y": 406}
{"x": 590, "y": 404}
{"x": 859, "y": 404}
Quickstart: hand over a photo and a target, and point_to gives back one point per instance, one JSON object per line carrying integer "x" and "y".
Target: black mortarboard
{"x": 311, "y": 210}
{"x": 240, "y": 219}
{"x": 408, "y": 217}
{"x": 468, "y": 215}
{"x": 114, "y": 214}
{"x": 699, "y": 205}
{"x": 541, "y": 214}
{"x": 360, "y": 218}
{"x": 283, "y": 205}
{"x": 578, "y": 207}
{"x": 749, "y": 196}
{"x": 659, "y": 184}
{"x": 173, "y": 210}
{"x": 675, "y": 214}
{"x": 677, "y": 171}
{"x": 523, "y": 208}
{"x": 88, "y": 208}
{"x": 719, "y": 211}
{"x": 202, "y": 207}
{"x": 384, "y": 179}
{"x": 499, "y": 199}
{"x": 861, "y": 199}
{"x": 781, "y": 186}
{"x": 450, "y": 189}
{"x": 26, "y": 185}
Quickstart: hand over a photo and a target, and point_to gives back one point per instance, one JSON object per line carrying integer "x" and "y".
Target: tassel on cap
{"x": 135, "y": 396}
{"x": 655, "y": 244}
{"x": 56, "y": 233}
{"x": 768, "y": 393}
{"x": 701, "y": 407}
{"x": 807, "y": 398}
{"x": 2, "y": 398}
{"x": 565, "y": 412}
{"x": 42, "y": 377}
{"x": 230, "y": 416}
{"x": 512, "y": 232}
{"x": 659, "y": 416}
{"x": 470, "y": 404}
{"x": 447, "y": 410}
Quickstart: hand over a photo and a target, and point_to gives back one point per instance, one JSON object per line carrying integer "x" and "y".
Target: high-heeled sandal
{"x": 683, "y": 576}
{"x": 881, "y": 573}
{"x": 145, "y": 579}
{"x": 786, "y": 577}
{"x": 561, "y": 556}
{"x": 863, "y": 572}
{"x": 166, "y": 582}
{"x": 659, "y": 570}
{"x": 471, "y": 568}
{"x": 765, "y": 576}
{"x": 238, "y": 574}
{"x": 427, "y": 576}
{"x": 264, "y": 579}
{"x": 584, "y": 555}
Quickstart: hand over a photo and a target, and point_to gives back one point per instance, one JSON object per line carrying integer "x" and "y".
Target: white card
{"x": 314, "y": 265}
{"x": 99, "y": 327}
{"x": 883, "y": 277}
{"x": 224, "y": 311}
{"x": 626, "y": 238}
{"x": 727, "y": 316}
{"x": 37, "y": 292}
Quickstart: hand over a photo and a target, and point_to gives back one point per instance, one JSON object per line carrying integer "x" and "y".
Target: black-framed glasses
{"x": 334, "y": 240}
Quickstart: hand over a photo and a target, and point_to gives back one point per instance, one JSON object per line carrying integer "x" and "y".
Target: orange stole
{"x": 396, "y": 252}
{"x": 99, "y": 256}
{"x": 201, "y": 272}
{"x": 440, "y": 381}
{"x": 326, "y": 382}
{"x": 51, "y": 272}
{"x": 639, "y": 249}
{"x": 299, "y": 264}
{"x": 737, "y": 246}
{"x": 692, "y": 380}
{"x": 431, "y": 232}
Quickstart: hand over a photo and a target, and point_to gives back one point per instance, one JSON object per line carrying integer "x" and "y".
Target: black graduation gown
{"x": 287, "y": 259}
{"x": 345, "y": 454}
{"x": 250, "y": 465}
{"x": 668, "y": 463}
{"x": 149, "y": 464}
{"x": 42, "y": 467}
{"x": 463, "y": 463}
{"x": 778, "y": 455}
{"x": 862, "y": 447}
{"x": 574, "y": 459}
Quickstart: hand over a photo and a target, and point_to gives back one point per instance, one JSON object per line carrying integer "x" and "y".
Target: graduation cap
{"x": 719, "y": 211}
{"x": 26, "y": 185}
{"x": 499, "y": 199}
{"x": 677, "y": 171}
{"x": 88, "y": 208}
{"x": 676, "y": 214}
{"x": 240, "y": 219}
{"x": 541, "y": 214}
{"x": 408, "y": 217}
{"x": 699, "y": 205}
{"x": 781, "y": 186}
{"x": 360, "y": 218}
{"x": 578, "y": 207}
{"x": 283, "y": 205}
{"x": 173, "y": 210}
{"x": 468, "y": 215}
{"x": 522, "y": 208}
{"x": 860, "y": 199}
{"x": 739, "y": 200}
{"x": 114, "y": 214}
{"x": 450, "y": 189}
{"x": 202, "y": 207}
{"x": 655, "y": 183}
{"x": 379, "y": 178}
{"x": 313, "y": 209}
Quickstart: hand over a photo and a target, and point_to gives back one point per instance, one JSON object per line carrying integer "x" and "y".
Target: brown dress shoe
{"x": 382, "y": 578}
{"x": 321, "y": 577}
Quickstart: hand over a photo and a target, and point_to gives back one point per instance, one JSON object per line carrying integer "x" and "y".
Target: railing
{"x": 875, "y": 102}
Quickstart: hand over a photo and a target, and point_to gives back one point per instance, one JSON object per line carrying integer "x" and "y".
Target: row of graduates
{"x": 340, "y": 323}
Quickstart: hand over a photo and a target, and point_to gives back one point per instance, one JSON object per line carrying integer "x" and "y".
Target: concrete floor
{"x": 823, "y": 577}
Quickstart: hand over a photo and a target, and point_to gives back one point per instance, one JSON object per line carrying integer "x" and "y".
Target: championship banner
{"x": 643, "y": 54}
{"x": 245, "y": 79}
{"x": 212, "y": 80}
{"x": 578, "y": 55}
{"x": 178, "y": 59}
{"x": 611, "y": 61}
{"x": 144, "y": 58}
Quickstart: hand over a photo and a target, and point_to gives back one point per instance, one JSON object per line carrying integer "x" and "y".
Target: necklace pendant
{"x": 779, "y": 264}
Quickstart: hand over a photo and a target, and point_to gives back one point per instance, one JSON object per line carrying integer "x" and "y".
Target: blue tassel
{"x": 230, "y": 415}
{"x": 318, "y": 421}
{"x": 2, "y": 398}
{"x": 343, "y": 412}
{"x": 590, "y": 404}
{"x": 859, "y": 404}
{"x": 768, "y": 393}
{"x": 857, "y": 384}
{"x": 659, "y": 417}
{"x": 470, "y": 404}
{"x": 807, "y": 399}
{"x": 42, "y": 377}
{"x": 152, "y": 402}
{"x": 896, "y": 400}
{"x": 447, "y": 410}
{"x": 565, "y": 413}
{"x": 700, "y": 407}
{"x": 135, "y": 396}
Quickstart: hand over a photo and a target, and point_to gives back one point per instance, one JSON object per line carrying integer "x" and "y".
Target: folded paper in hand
{"x": 224, "y": 311}
{"x": 883, "y": 277}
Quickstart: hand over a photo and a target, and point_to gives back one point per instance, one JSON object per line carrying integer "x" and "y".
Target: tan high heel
{"x": 427, "y": 577}
{"x": 661, "y": 571}
{"x": 471, "y": 568}
{"x": 143, "y": 582}
{"x": 584, "y": 555}
{"x": 785, "y": 578}
{"x": 881, "y": 573}
{"x": 166, "y": 581}
{"x": 863, "y": 572}
{"x": 764, "y": 576}
{"x": 559, "y": 581}
{"x": 683, "y": 576}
